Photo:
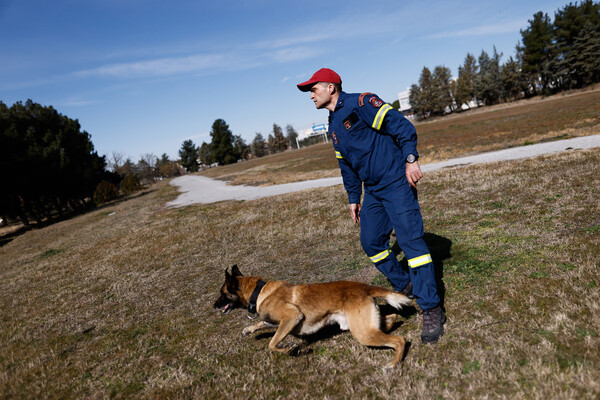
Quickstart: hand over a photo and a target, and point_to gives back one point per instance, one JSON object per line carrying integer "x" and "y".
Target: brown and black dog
{"x": 304, "y": 309}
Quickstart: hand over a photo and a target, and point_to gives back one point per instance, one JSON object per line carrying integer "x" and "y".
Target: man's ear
{"x": 331, "y": 88}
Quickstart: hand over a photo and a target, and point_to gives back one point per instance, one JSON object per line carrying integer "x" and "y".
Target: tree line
{"x": 48, "y": 164}
{"x": 552, "y": 56}
{"x": 226, "y": 148}
{"x": 49, "y": 168}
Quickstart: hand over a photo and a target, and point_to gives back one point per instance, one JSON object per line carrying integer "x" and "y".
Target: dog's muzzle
{"x": 227, "y": 309}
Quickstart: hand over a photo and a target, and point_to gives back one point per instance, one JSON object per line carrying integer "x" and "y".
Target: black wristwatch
{"x": 411, "y": 158}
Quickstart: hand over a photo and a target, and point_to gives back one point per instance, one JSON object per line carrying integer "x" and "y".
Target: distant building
{"x": 405, "y": 107}
{"x": 317, "y": 130}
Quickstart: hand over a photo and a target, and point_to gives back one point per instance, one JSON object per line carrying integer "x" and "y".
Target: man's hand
{"x": 355, "y": 212}
{"x": 413, "y": 173}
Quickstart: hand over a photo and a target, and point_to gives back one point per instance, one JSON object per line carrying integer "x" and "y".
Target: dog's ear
{"x": 230, "y": 279}
{"x": 235, "y": 271}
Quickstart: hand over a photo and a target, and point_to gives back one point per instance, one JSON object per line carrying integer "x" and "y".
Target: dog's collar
{"x": 254, "y": 297}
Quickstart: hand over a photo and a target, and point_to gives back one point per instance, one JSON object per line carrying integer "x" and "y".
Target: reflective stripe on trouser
{"x": 376, "y": 222}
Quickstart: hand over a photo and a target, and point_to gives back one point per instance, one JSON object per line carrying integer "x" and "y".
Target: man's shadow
{"x": 439, "y": 248}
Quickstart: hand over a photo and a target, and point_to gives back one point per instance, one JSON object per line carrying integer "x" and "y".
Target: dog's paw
{"x": 247, "y": 331}
{"x": 298, "y": 351}
{"x": 388, "y": 368}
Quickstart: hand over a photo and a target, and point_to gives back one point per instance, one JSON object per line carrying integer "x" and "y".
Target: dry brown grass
{"x": 312, "y": 162}
{"x": 117, "y": 303}
{"x": 508, "y": 125}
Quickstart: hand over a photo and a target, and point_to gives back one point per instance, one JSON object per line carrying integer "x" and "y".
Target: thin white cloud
{"x": 294, "y": 54}
{"x": 156, "y": 68}
{"x": 204, "y": 135}
{"x": 293, "y": 40}
{"x": 298, "y": 44}
{"x": 198, "y": 63}
{"x": 75, "y": 103}
{"x": 483, "y": 30}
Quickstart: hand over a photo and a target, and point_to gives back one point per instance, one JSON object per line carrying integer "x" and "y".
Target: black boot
{"x": 433, "y": 325}
{"x": 407, "y": 291}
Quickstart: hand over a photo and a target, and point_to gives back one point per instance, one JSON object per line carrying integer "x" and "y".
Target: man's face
{"x": 320, "y": 94}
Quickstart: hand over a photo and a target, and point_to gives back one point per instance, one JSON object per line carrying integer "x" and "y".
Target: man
{"x": 377, "y": 147}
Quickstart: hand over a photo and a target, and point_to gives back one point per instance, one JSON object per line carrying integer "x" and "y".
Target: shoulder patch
{"x": 361, "y": 99}
{"x": 376, "y": 101}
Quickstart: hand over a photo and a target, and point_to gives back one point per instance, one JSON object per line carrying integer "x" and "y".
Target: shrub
{"x": 105, "y": 192}
{"x": 130, "y": 184}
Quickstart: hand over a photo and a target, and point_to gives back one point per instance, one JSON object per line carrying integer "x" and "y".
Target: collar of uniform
{"x": 340, "y": 102}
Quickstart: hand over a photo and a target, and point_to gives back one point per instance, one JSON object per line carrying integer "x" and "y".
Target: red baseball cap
{"x": 322, "y": 75}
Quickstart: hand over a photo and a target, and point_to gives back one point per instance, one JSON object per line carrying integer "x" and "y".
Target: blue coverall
{"x": 371, "y": 142}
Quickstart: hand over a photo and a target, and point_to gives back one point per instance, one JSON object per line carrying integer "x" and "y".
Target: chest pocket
{"x": 351, "y": 121}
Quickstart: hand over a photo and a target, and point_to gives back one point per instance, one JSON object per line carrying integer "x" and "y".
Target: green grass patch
{"x": 470, "y": 367}
{"x": 49, "y": 253}
{"x": 594, "y": 230}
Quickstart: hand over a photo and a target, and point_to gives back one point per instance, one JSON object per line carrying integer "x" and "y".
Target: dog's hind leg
{"x": 286, "y": 326}
{"x": 389, "y": 322}
{"x": 364, "y": 326}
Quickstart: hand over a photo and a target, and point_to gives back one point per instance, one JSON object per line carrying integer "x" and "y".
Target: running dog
{"x": 304, "y": 309}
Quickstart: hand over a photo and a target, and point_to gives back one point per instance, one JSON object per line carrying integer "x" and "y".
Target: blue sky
{"x": 142, "y": 76}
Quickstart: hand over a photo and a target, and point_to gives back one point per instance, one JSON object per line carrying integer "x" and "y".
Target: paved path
{"x": 199, "y": 189}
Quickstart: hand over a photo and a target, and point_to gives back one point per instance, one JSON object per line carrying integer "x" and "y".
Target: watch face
{"x": 411, "y": 158}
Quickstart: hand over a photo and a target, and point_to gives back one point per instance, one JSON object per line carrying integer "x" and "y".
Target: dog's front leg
{"x": 257, "y": 327}
{"x": 286, "y": 326}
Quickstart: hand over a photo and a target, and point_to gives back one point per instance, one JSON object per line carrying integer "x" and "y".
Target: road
{"x": 197, "y": 189}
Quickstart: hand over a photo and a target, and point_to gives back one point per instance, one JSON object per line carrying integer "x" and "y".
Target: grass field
{"x": 117, "y": 303}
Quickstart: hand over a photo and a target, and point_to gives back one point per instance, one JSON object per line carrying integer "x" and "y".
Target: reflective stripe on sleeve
{"x": 418, "y": 261}
{"x": 380, "y": 116}
{"x": 380, "y": 256}
{"x": 338, "y": 155}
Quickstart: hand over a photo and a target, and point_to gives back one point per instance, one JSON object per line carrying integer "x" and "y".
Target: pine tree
{"x": 441, "y": 91}
{"x": 241, "y": 147}
{"x": 222, "y": 149}
{"x": 488, "y": 85}
{"x": 465, "y": 84}
{"x": 258, "y": 145}
{"x": 569, "y": 25}
{"x": 291, "y": 136}
{"x": 280, "y": 143}
{"x": 535, "y": 52}
{"x": 586, "y": 51}
{"x": 414, "y": 97}
{"x": 513, "y": 85}
{"x": 204, "y": 154}
{"x": 189, "y": 156}
{"x": 421, "y": 96}
{"x": 271, "y": 144}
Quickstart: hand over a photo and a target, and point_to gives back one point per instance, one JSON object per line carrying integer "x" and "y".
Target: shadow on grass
{"x": 439, "y": 248}
{"x": 332, "y": 331}
{"x": 328, "y": 332}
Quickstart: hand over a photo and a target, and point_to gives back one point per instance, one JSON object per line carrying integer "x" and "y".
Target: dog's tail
{"x": 394, "y": 299}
